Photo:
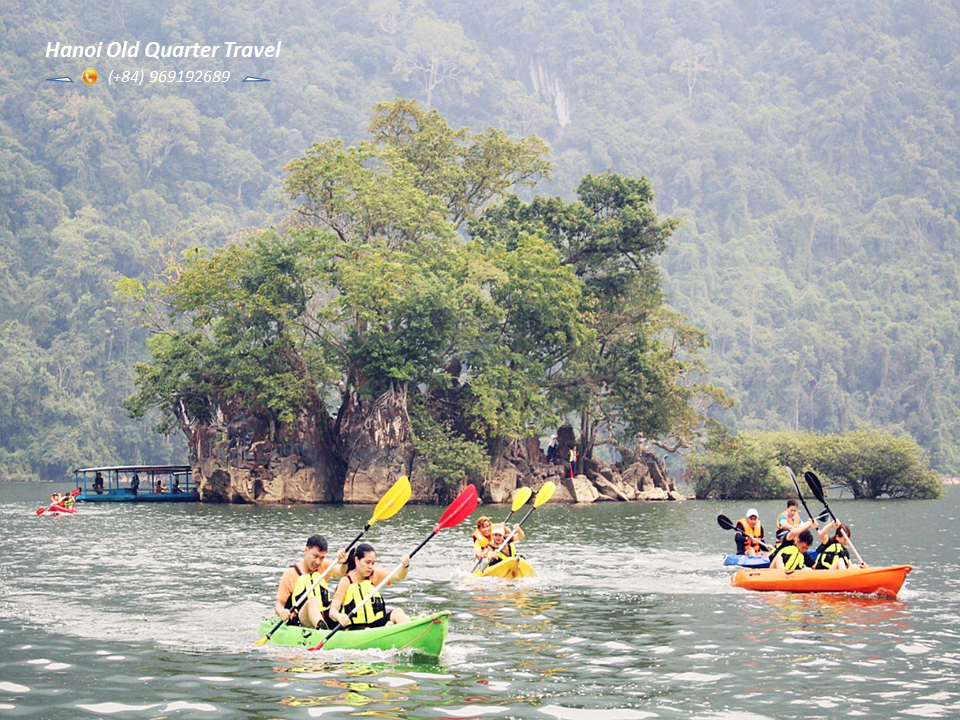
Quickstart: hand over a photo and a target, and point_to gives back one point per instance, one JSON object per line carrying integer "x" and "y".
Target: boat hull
{"x": 422, "y": 635}
{"x": 60, "y": 510}
{"x": 510, "y": 569}
{"x": 885, "y": 581}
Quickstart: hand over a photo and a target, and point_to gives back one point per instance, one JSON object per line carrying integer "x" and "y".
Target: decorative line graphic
{"x": 60, "y": 79}
{"x": 251, "y": 78}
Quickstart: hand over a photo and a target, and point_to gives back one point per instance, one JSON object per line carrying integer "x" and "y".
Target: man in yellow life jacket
{"x": 749, "y": 535}
{"x": 793, "y": 556}
{"x": 298, "y": 578}
{"x": 499, "y": 535}
{"x": 69, "y": 502}
{"x": 347, "y": 606}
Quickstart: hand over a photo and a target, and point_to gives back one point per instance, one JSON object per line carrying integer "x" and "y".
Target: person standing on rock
{"x": 573, "y": 461}
{"x": 298, "y": 578}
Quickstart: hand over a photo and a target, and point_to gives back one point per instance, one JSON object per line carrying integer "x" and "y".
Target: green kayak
{"x": 423, "y": 635}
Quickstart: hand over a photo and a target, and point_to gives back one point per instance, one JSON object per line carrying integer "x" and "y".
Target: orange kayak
{"x": 869, "y": 580}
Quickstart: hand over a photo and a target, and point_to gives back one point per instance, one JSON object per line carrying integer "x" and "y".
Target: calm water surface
{"x": 151, "y": 611}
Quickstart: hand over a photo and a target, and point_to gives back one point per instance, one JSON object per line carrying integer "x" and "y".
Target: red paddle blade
{"x": 41, "y": 511}
{"x": 75, "y": 492}
{"x": 459, "y": 509}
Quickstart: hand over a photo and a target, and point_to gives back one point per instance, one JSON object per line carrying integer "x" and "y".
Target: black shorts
{"x": 375, "y": 624}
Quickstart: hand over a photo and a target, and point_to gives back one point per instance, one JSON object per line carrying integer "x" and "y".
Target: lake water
{"x": 151, "y": 611}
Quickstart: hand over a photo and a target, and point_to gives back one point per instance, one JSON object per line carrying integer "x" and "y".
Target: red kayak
{"x": 867, "y": 580}
{"x": 57, "y": 510}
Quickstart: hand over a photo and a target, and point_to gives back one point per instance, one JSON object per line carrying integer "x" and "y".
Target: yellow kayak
{"x": 513, "y": 568}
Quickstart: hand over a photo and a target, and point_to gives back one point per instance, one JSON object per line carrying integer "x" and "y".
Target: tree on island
{"x": 411, "y": 317}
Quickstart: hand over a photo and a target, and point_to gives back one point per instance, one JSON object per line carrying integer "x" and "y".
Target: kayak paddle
{"x": 465, "y": 503}
{"x": 544, "y": 494}
{"x": 520, "y": 498}
{"x": 799, "y": 494}
{"x": 73, "y": 493}
{"x": 391, "y": 502}
{"x": 728, "y": 524}
{"x": 817, "y": 489}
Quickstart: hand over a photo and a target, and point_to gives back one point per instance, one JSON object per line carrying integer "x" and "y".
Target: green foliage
{"x": 814, "y": 163}
{"x": 742, "y": 470}
{"x": 869, "y": 463}
{"x": 447, "y": 456}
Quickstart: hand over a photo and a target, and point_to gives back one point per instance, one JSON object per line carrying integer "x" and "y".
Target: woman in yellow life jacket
{"x": 358, "y": 584}
{"x": 498, "y": 535}
{"x": 793, "y": 556}
{"x": 833, "y": 552}
{"x": 481, "y": 537}
{"x": 298, "y": 578}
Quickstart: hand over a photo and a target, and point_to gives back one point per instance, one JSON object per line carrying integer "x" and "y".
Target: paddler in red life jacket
{"x": 481, "y": 537}
{"x": 358, "y": 584}
{"x": 499, "y": 534}
{"x": 298, "y": 578}
{"x": 749, "y": 533}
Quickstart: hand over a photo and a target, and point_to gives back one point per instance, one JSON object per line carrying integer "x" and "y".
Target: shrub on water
{"x": 868, "y": 463}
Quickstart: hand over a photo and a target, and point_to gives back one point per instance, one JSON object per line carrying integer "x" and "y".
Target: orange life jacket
{"x": 753, "y": 534}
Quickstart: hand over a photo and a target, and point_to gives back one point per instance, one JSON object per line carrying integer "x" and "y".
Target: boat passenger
{"x": 56, "y": 499}
{"x": 832, "y": 553}
{"x": 68, "y": 501}
{"x": 98, "y": 483}
{"x": 498, "y": 536}
{"x": 175, "y": 488}
{"x": 298, "y": 578}
{"x": 359, "y": 583}
{"x": 135, "y": 483}
{"x": 158, "y": 487}
{"x": 788, "y": 519}
{"x": 481, "y": 537}
{"x": 749, "y": 535}
{"x": 793, "y": 556}
{"x": 788, "y": 537}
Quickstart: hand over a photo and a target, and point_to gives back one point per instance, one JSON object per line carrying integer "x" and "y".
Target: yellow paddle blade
{"x": 263, "y": 640}
{"x": 394, "y": 499}
{"x": 545, "y": 493}
{"x": 520, "y": 498}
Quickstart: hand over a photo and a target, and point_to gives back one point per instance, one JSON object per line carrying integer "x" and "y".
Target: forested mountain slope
{"x": 810, "y": 146}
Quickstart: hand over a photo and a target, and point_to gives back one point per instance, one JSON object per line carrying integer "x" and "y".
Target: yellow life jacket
{"x": 508, "y": 552}
{"x": 830, "y": 556}
{"x": 69, "y": 502}
{"x": 321, "y": 592}
{"x": 356, "y": 593}
{"x": 792, "y": 557}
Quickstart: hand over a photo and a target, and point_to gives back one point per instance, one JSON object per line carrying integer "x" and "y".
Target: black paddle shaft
{"x": 800, "y": 494}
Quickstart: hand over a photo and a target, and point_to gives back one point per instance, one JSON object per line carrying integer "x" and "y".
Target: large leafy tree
{"x": 638, "y": 375}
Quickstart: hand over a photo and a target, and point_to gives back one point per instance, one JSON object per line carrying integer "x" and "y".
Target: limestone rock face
{"x": 609, "y": 490}
{"x": 581, "y": 489}
{"x": 501, "y": 485}
{"x": 248, "y": 460}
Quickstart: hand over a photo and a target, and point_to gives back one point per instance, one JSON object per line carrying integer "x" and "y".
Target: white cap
{"x": 752, "y": 511}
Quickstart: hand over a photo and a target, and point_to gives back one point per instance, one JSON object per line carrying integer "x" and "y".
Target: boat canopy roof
{"x": 137, "y": 468}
